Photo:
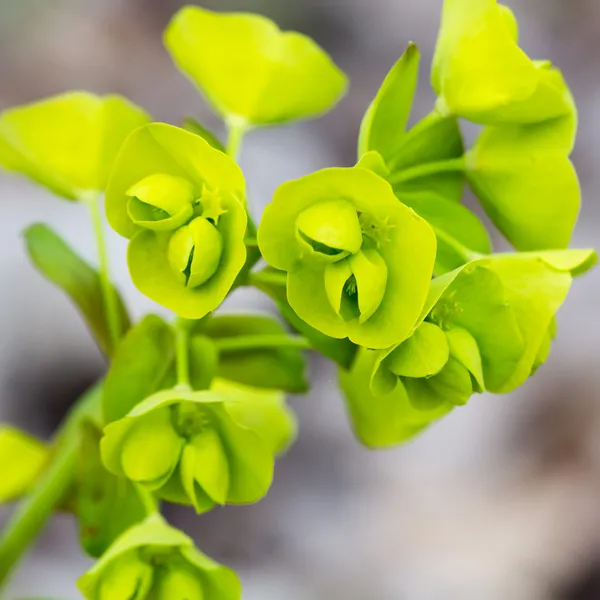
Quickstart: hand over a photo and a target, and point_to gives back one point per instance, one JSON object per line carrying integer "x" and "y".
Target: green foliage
{"x": 249, "y": 70}
{"x": 378, "y": 267}
{"x": 22, "y": 459}
{"x": 63, "y": 267}
{"x": 68, "y": 143}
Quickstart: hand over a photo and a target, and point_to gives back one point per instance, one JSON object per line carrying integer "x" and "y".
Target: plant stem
{"x": 111, "y": 307}
{"x": 465, "y": 253}
{"x": 236, "y": 129}
{"x": 37, "y": 507}
{"x": 182, "y": 349}
{"x": 434, "y": 168}
{"x": 257, "y": 342}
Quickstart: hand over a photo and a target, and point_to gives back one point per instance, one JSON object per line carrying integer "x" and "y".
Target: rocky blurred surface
{"x": 498, "y": 501}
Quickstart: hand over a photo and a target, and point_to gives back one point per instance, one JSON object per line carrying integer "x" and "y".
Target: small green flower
{"x": 181, "y": 203}
{"x": 359, "y": 262}
{"x": 481, "y": 74}
{"x": 68, "y": 143}
{"x": 189, "y": 449}
{"x": 153, "y": 561}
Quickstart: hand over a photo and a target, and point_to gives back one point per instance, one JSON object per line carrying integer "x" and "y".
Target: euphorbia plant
{"x": 378, "y": 266}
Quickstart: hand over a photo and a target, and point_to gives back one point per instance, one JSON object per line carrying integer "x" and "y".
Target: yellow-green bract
{"x": 155, "y": 561}
{"x": 69, "y": 142}
{"x": 189, "y": 449}
{"x": 485, "y": 326}
{"x": 359, "y": 262}
{"x": 249, "y": 70}
{"x": 182, "y": 204}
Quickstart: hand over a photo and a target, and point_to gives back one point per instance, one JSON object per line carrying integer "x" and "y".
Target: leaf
{"x": 249, "y": 70}
{"x": 263, "y": 411}
{"x": 69, "y": 142}
{"x": 272, "y": 368}
{"x": 22, "y": 459}
{"x": 98, "y": 494}
{"x": 140, "y": 363}
{"x": 385, "y": 121}
{"x": 463, "y": 347}
{"x": 423, "y": 354}
{"x": 527, "y": 184}
{"x": 196, "y": 127}
{"x": 61, "y": 265}
{"x": 272, "y": 283}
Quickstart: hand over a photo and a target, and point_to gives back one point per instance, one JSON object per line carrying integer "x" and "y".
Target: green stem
{"x": 434, "y": 168}
{"x": 465, "y": 253}
{"x": 182, "y": 349}
{"x": 111, "y": 306}
{"x": 258, "y": 342}
{"x": 236, "y": 129}
{"x": 268, "y": 277}
{"x": 37, "y": 507}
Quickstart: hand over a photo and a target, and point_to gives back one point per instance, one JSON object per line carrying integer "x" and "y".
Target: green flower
{"x": 181, "y": 203}
{"x": 250, "y": 71}
{"x": 359, "y": 262}
{"x": 481, "y": 74}
{"x": 68, "y": 143}
{"x": 189, "y": 449}
{"x": 153, "y": 561}
{"x": 392, "y": 394}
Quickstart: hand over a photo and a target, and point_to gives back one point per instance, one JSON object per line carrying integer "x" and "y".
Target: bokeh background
{"x": 500, "y": 500}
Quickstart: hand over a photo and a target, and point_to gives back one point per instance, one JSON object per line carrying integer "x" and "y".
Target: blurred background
{"x": 500, "y": 500}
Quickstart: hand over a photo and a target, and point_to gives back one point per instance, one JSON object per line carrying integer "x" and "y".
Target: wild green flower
{"x": 68, "y": 143}
{"x": 188, "y": 448}
{"x": 358, "y": 261}
{"x": 454, "y": 352}
{"x": 181, "y": 203}
{"x": 250, "y": 71}
{"x": 153, "y": 561}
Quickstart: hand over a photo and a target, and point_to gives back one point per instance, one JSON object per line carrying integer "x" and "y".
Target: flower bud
{"x": 356, "y": 286}
{"x": 195, "y": 252}
{"x": 161, "y": 202}
{"x": 179, "y": 583}
{"x": 128, "y": 578}
{"x": 331, "y": 229}
{"x": 152, "y": 448}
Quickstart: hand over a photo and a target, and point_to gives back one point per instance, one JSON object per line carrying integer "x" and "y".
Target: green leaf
{"x": 196, "y": 127}
{"x": 384, "y": 420}
{"x": 456, "y": 229}
{"x": 273, "y": 283}
{"x": 61, "y": 265}
{"x": 463, "y": 347}
{"x": 385, "y": 121}
{"x": 526, "y": 183}
{"x": 139, "y": 365}
{"x": 98, "y": 493}
{"x": 249, "y": 70}
{"x": 263, "y": 411}
{"x": 273, "y": 368}
{"x": 435, "y": 139}
{"x": 423, "y": 354}
{"x": 22, "y": 459}
{"x": 69, "y": 142}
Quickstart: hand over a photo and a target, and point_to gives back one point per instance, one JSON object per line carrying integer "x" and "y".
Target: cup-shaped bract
{"x": 182, "y": 205}
{"x": 481, "y": 74}
{"x": 358, "y": 262}
{"x": 187, "y": 448}
{"x": 153, "y": 561}
{"x": 250, "y": 71}
{"x": 68, "y": 143}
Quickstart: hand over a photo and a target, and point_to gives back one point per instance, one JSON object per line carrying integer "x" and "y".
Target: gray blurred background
{"x": 499, "y": 501}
